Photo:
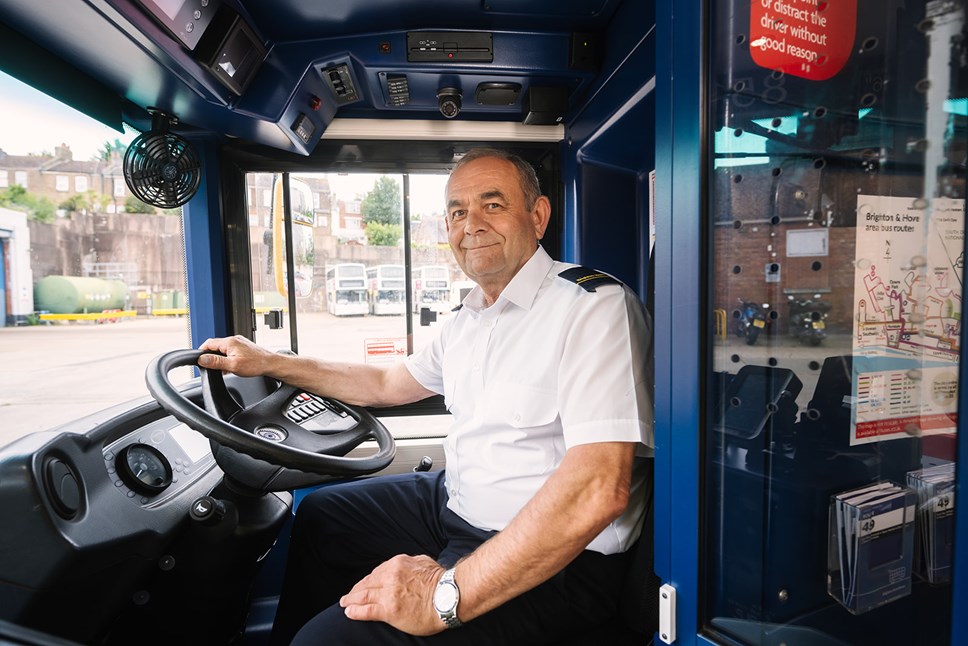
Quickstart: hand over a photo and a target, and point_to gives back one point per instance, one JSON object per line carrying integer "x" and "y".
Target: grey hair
{"x": 526, "y": 175}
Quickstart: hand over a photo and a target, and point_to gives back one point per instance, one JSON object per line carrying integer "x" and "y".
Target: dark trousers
{"x": 341, "y": 532}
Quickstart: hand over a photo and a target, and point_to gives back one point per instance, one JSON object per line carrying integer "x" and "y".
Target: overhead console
{"x": 216, "y": 49}
{"x": 323, "y": 89}
{"x": 220, "y": 39}
{"x": 186, "y": 20}
{"x": 444, "y": 46}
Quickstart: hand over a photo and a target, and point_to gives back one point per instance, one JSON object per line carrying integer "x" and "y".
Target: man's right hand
{"x": 242, "y": 357}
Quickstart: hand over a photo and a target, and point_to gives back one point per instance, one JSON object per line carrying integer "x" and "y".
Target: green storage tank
{"x": 77, "y": 295}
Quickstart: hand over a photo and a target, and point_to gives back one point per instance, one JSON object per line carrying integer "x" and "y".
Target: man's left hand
{"x": 399, "y": 592}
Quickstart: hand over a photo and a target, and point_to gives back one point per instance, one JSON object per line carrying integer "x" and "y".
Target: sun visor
{"x": 29, "y": 62}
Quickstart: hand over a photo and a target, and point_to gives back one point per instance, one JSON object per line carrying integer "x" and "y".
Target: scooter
{"x": 807, "y": 321}
{"x": 749, "y": 320}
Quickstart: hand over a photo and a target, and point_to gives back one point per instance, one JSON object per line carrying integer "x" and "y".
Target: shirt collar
{"x": 523, "y": 287}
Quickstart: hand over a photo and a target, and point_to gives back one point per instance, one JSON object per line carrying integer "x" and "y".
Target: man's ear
{"x": 540, "y": 215}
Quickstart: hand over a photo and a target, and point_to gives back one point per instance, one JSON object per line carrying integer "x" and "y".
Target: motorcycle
{"x": 807, "y": 320}
{"x": 749, "y": 320}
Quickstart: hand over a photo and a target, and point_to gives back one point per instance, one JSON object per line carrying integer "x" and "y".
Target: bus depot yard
{"x": 64, "y": 370}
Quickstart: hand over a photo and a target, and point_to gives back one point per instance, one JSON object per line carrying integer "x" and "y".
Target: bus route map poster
{"x": 907, "y": 317}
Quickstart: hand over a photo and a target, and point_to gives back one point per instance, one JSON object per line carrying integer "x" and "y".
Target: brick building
{"x": 59, "y": 177}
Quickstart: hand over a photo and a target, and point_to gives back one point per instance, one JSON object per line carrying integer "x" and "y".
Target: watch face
{"x": 445, "y": 597}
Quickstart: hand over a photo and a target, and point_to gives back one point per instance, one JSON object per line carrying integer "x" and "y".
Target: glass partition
{"x": 837, "y": 137}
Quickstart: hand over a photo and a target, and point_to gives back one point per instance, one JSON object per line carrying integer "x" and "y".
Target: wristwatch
{"x": 446, "y": 598}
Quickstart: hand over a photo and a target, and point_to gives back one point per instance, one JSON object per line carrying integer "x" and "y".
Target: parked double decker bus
{"x": 386, "y": 289}
{"x": 346, "y": 289}
{"x": 431, "y": 288}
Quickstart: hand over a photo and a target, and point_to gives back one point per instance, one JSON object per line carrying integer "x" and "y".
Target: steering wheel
{"x": 296, "y": 439}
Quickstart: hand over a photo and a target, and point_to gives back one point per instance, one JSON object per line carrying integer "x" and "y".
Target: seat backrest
{"x": 639, "y": 608}
{"x": 638, "y": 611}
{"x": 637, "y": 619}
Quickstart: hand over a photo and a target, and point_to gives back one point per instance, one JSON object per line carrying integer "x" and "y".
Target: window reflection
{"x": 838, "y": 138}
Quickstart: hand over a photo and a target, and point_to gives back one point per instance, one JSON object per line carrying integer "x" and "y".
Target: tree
{"x": 383, "y": 204}
{"x": 15, "y": 194}
{"x": 111, "y": 147}
{"x": 74, "y": 203}
{"x": 40, "y": 209}
{"x": 383, "y": 235}
{"x": 88, "y": 201}
{"x": 134, "y": 205}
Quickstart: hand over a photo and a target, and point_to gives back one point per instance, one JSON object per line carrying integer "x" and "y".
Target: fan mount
{"x": 160, "y": 167}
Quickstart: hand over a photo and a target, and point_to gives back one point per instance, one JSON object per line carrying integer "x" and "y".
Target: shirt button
{"x": 517, "y": 417}
{"x": 477, "y": 366}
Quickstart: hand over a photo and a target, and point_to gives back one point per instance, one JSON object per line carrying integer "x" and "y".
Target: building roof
{"x": 71, "y": 166}
{"x": 61, "y": 162}
{"x": 23, "y": 161}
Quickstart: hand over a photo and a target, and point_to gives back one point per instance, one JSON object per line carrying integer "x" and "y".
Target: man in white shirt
{"x": 523, "y": 538}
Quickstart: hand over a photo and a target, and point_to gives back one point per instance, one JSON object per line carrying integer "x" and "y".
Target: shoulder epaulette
{"x": 588, "y": 279}
{"x": 457, "y": 309}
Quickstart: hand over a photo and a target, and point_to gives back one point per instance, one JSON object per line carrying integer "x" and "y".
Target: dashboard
{"x": 97, "y": 517}
{"x": 106, "y": 527}
{"x": 156, "y": 463}
{"x": 67, "y": 495}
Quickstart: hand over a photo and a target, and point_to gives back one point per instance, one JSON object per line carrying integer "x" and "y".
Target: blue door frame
{"x": 681, "y": 330}
{"x": 678, "y": 307}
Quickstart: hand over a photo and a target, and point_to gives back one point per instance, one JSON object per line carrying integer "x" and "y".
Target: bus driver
{"x": 524, "y": 537}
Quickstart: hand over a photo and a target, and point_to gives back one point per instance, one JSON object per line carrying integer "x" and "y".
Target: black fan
{"x": 161, "y": 168}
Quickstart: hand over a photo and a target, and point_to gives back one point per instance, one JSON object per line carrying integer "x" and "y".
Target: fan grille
{"x": 162, "y": 169}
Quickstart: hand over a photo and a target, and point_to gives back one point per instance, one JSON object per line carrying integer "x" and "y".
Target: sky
{"x": 426, "y": 191}
{"x": 31, "y": 123}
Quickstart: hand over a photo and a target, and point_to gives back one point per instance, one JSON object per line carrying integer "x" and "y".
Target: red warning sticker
{"x": 811, "y": 39}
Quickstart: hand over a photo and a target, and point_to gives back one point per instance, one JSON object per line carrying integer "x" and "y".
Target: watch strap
{"x": 449, "y": 617}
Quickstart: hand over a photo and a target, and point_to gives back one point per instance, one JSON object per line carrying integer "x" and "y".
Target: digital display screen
{"x": 194, "y": 444}
{"x": 170, "y": 7}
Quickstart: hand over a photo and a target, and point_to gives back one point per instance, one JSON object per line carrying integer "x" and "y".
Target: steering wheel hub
{"x": 271, "y": 433}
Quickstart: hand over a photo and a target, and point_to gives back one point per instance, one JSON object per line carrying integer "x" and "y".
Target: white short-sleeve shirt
{"x": 548, "y": 366}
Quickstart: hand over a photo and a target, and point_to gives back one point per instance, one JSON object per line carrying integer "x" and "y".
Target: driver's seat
{"x": 637, "y": 619}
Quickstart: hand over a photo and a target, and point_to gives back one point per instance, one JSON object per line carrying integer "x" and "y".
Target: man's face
{"x": 491, "y": 230}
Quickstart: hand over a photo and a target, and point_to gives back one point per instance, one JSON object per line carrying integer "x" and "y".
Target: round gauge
{"x": 144, "y": 469}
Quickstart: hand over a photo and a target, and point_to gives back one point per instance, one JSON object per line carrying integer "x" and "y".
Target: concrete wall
{"x": 148, "y": 249}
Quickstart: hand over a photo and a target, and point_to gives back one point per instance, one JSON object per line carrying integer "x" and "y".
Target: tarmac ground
{"x": 54, "y": 373}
